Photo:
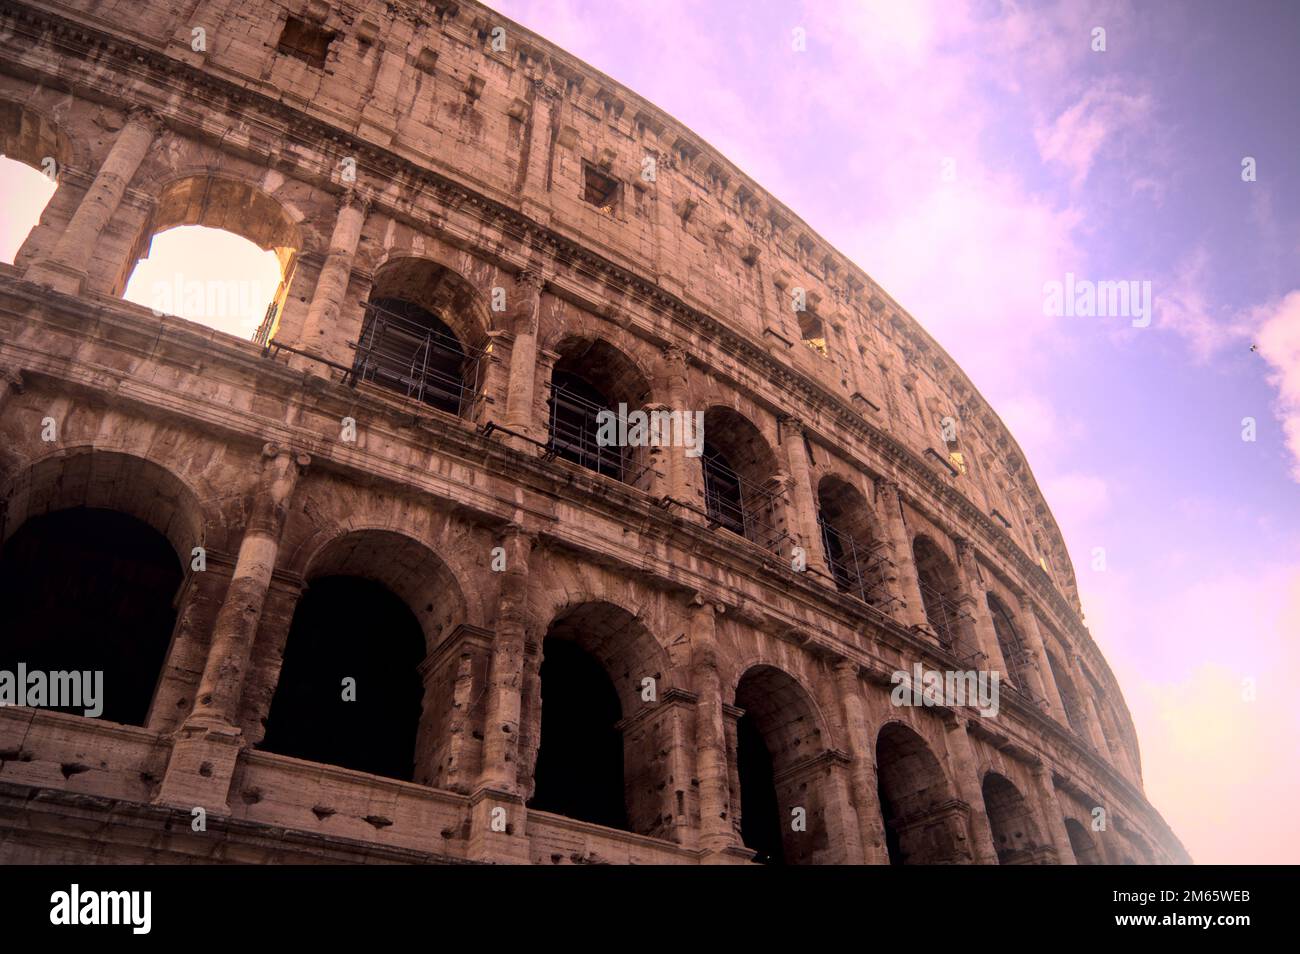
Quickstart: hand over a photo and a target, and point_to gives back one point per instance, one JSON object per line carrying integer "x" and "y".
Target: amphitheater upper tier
{"x": 560, "y": 647}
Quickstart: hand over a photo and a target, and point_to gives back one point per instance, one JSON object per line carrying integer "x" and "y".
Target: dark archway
{"x": 1015, "y": 833}
{"x": 87, "y": 589}
{"x": 596, "y": 658}
{"x": 778, "y": 740}
{"x": 760, "y": 821}
{"x": 1081, "y": 843}
{"x": 922, "y": 823}
{"x": 580, "y": 770}
{"x": 350, "y": 628}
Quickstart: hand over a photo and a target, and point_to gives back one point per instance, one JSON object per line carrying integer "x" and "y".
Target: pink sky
{"x": 1123, "y": 164}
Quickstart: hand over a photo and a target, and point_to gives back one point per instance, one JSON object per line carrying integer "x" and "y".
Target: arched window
{"x": 423, "y": 336}
{"x": 939, "y": 592}
{"x": 739, "y": 472}
{"x": 855, "y": 555}
{"x": 1070, "y": 699}
{"x": 1013, "y": 648}
{"x": 215, "y": 251}
{"x": 33, "y": 154}
{"x": 593, "y": 384}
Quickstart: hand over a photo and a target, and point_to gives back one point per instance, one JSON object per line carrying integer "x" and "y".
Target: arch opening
{"x": 596, "y": 760}
{"x": 1081, "y": 843}
{"x": 423, "y": 336}
{"x": 924, "y": 824}
{"x": 857, "y": 558}
{"x": 33, "y": 154}
{"x": 781, "y": 809}
{"x": 940, "y": 591}
{"x": 350, "y": 692}
{"x": 90, "y": 590}
{"x": 215, "y": 251}
{"x": 1009, "y": 641}
{"x": 580, "y": 771}
{"x": 1016, "y": 838}
{"x": 591, "y": 381}
{"x": 740, "y": 479}
{"x": 1069, "y": 694}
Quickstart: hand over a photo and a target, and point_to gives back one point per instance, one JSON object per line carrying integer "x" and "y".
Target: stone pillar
{"x": 976, "y": 601}
{"x": 711, "y": 766}
{"x": 505, "y": 677}
{"x": 1095, "y": 730}
{"x": 862, "y": 766}
{"x": 64, "y": 269}
{"x": 319, "y": 332}
{"x": 207, "y": 745}
{"x": 1038, "y": 659}
{"x": 685, "y": 477}
{"x": 521, "y": 404}
{"x": 803, "y": 500}
{"x": 200, "y": 601}
{"x": 909, "y": 608}
{"x": 965, "y": 772}
{"x": 535, "y": 184}
{"x": 1049, "y": 813}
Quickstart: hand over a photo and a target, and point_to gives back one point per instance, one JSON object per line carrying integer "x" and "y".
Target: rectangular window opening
{"x": 600, "y": 190}
{"x": 305, "y": 40}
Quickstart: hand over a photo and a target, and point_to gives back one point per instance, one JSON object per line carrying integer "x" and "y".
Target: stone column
{"x": 802, "y": 498}
{"x": 1095, "y": 730}
{"x": 535, "y": 184}
{"x": 1038, "y": 659}
{"x": 505, "y": 677}
{"x": 862, "y": 766}
{"x": 1049, "y": 813}
{"x": 521, "y": 405}
{"x": 237, "y": 621}
{"x": 207, "y": 745}
{"x": 318, "y": 334}
{"x": 909, "y": 608}
{"x": 976, "y": 601}
{"x": 711, "y": 766}
{"x": 685, "y": 478}
{"x": 965, "y": 772}
{"x": 64, "y": 269}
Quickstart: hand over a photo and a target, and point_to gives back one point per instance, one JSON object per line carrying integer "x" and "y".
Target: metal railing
{"x": 401, "y": 354}
{"x": 948, "y": 620}
{"x": 858, "y": 571}
{"x": 573, "y": 431}
{"x": 737, "y": 504}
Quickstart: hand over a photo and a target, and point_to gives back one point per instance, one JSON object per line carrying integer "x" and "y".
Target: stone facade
{"x": 556, "y": 224}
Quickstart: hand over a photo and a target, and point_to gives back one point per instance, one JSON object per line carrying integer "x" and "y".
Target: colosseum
{"x": 370, "y": 585}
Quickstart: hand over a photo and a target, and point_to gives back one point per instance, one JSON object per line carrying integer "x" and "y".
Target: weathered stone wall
{"x": 470, "y": 168}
